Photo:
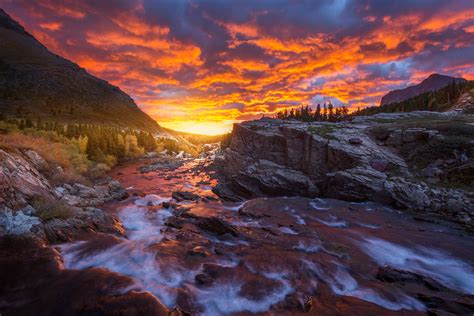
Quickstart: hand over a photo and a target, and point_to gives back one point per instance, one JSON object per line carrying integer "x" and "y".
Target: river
{"x": 285, "y": 255}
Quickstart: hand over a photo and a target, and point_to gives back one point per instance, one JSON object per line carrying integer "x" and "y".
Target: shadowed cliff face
{"x": 37, "y": 83}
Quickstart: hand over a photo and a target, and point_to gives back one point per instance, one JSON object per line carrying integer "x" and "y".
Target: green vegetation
{"x": 325, "y": 113}
{"x": 48, "y": 209}
{"x": 440, "y": 100}
{"x": 81, "y": 150}
{"x": 453, "y": 135}
{"x": 324, "y": 131}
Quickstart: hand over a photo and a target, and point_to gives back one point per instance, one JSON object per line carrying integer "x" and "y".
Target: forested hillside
{"x": 440, "y": 100}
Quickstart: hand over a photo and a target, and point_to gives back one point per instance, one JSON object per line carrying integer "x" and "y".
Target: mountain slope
{"x": 458, "y": 96}
{"x": 34, "y": 82}
{"x": 432, "y": 83}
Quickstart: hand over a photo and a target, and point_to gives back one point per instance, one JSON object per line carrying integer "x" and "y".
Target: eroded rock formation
{"x": 369, "y": 159}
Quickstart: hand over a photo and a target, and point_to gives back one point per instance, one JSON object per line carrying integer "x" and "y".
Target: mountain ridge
{"x": 432, "y": 83}
{"x": 35, "y": 82}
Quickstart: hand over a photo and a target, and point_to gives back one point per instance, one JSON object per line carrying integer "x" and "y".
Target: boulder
{"x": 355, "y": 141}
{"x": 439, "y": 299}
{"x": 463, "y": 174}
{"x": 409, "y": 195}
{"x": 198, "y": 251}
{"x": 19, "y": 223}
{"x": 216, "y": 226}
{"x": 38, "y": 162}
{"x": 356, "y": 184}
{"x": 20, "y": 180}
{"x": 185, "y": 196}
{"x": 79, "y": 195}
{"x": 85, "y": 220}
{"x": 379, "y": 164}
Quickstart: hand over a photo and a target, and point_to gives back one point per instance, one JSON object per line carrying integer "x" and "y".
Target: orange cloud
{"x": 188, "y": 64}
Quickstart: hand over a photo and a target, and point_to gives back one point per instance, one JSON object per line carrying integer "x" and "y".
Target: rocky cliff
{"x": 369, "y": 159}
{"x": 35, "y": 82}
{"x": 432, "y": 83}
{"x": 30, "y": 205}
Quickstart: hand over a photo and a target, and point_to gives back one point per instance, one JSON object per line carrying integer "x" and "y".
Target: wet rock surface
{"x": 279, "y": 255}
{"x": 185, "y": 196}
{"x": 293, "y": 256}
{"x": 88, "y": 220}
{"x": 34, "y": 282}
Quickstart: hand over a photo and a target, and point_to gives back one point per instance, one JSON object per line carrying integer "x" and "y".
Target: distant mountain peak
{"x": 434, "y": 82}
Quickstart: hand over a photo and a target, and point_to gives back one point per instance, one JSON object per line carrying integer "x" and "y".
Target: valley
{"x": 316, "y": 202}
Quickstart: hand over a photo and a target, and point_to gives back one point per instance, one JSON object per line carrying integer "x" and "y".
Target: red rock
{"x": 379, "y": 164}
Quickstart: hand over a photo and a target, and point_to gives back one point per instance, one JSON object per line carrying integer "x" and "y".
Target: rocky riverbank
{"x": 31, "y": 205}
{"x": 176, "y": 249}
{"x": 419, "y": 161}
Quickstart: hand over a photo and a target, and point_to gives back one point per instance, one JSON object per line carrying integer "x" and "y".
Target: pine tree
{"x": 331, "y": 112}
{"x": 317, "y": 114}
{"x": 39, "y": 123}
{"x": 28, "y": 123}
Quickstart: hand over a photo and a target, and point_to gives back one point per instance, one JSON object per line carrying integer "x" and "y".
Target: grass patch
{"x": 48, "y": 208}
{"x": 421, "y": 155}
{"x": 324, "y": 131}
{"x": 54, "y": 153}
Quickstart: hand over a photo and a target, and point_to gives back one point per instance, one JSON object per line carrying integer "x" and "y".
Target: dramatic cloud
{"x": 190, "y": 64}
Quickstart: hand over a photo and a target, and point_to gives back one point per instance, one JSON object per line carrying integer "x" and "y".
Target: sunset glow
{"x": 201, "y": 66}
{"x": 201, "y": 128}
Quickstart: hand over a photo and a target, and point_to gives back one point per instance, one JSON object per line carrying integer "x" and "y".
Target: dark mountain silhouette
{"x": 432, "y": 83}
{"x": 35, "y": 82}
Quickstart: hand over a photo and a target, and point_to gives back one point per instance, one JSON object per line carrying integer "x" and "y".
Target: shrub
{"x": 110, "y": 160}
{"x": 99, "y": 170}
{"x": 49, "y": 208}
{"x": 6, "y": 128}
{"x": 53, "y": 153}
{"x": 67, "y": 176}
{"x": 66, "y": 155}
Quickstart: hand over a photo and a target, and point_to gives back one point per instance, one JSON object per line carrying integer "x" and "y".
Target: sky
{"x": 200, "y": 66}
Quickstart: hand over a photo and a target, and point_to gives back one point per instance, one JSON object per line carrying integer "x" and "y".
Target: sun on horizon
{"x": 190, "y": 65}
{"x": 208, "y": 128}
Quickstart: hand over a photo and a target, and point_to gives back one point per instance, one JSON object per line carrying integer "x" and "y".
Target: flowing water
{"x": 284, "y": 255}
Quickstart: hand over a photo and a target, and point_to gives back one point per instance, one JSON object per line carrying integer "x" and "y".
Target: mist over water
{"x": 449, "y": 271}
